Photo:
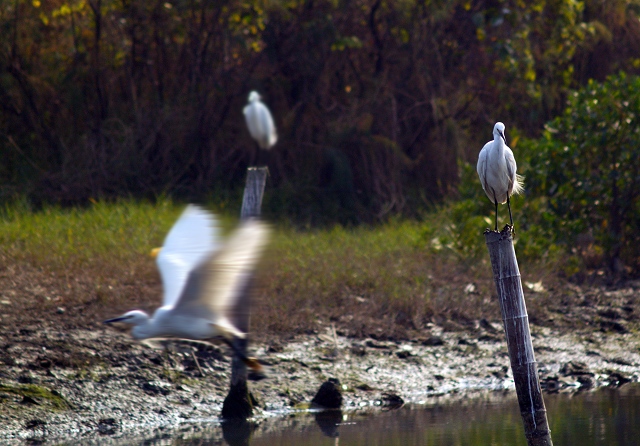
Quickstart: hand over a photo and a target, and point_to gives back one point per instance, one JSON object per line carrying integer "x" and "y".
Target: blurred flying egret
{"x": 497, "y": 171}
{"x": 205, "y": 283}
{"x": 260, "y": 122}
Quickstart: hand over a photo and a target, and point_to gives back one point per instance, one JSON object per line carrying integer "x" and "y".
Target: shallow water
{"x": 604, "y": 417}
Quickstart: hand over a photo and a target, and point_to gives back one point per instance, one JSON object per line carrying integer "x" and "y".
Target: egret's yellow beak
{"x": 155, "y": 252}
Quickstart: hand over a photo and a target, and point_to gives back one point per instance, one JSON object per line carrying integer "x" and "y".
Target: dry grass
{"x": 89, "y": 262}
{"x": 390, "y": 280}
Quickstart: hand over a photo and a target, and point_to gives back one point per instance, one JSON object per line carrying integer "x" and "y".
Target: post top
{"x": 492, "y": 236}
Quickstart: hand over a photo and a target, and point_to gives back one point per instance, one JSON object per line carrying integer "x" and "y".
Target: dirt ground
{"x": 64, "y": 376}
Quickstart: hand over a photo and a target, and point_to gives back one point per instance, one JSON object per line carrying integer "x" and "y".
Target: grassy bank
{"x": 389, "y": 280}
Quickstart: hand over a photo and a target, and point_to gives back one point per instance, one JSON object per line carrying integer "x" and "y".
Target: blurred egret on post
{"x": 260, "y": 122}
{"x": 205, "y": 281}
{"x": 497, "y": 171}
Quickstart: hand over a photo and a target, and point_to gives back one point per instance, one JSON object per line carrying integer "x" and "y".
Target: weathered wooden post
{"x": 239, "y": 402}
{"x": 516, "y": 327}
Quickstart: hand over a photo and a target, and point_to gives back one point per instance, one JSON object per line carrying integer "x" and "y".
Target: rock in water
{"x": 329, "y": 395}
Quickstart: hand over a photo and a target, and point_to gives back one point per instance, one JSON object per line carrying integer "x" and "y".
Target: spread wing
{"x": 217, "y": 287}
{"x": 191, "y": 240}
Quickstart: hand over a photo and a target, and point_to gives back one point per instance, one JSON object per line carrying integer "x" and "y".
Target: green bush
{"x": 467, "y": 217}
{"x": 585, "y": 170}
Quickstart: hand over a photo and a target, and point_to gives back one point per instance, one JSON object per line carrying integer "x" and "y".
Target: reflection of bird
{"x": 205, "y": 284}
{"x": 497, "y": 171}
{"x": 260, "y": 122}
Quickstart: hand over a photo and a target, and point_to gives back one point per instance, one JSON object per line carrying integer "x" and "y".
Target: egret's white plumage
{"x": 497, "y": 171}
{"x": 260, "y": 122}
{"x": 189, "y": 242}
{"x": 204, "y": 280}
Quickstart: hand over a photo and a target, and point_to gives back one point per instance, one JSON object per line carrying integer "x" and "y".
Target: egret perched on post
{"x": 497, "y": 171}
{"x": 205, "y": 282}
{"x": 260, "y": 122}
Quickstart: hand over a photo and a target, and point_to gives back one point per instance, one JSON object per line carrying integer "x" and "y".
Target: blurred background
{"x": 381, "y": 109}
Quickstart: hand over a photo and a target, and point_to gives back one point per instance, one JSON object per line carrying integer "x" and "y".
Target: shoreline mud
{"x": 59, "y": 384}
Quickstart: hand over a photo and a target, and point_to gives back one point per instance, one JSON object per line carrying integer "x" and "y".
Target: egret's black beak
{"x": 503, "y": 137}
{"x": 115, "y": 319}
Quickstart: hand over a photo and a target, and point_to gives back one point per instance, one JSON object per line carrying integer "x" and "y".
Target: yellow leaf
{"x": 530, "y": 75}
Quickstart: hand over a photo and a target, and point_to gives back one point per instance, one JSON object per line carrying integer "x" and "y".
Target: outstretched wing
{"x": 217, "y": 287}
{"x": 191, "y": 240}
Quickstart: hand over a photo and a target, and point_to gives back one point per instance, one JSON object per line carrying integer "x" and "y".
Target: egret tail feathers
{"x": 518, "y": 186}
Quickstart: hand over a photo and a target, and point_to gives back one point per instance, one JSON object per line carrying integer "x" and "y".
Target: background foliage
{"x": 376, "y": 102}
{"x": 587, "y": 165}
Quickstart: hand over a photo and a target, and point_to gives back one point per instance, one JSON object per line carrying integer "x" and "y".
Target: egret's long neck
{"x": 498, "y": 144}
{"x": 498, "y": 148}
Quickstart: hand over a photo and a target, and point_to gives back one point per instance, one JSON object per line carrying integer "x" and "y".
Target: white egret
{"x": 497, "y": 171}
{"x": 260, "y": 122}
{"x": 205, "y": 282}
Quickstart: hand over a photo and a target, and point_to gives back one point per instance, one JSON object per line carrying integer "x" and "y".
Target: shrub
{"x": 586, "y": 168}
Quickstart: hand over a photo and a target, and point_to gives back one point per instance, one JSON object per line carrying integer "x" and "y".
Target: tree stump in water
{"x": 329, "y": 395}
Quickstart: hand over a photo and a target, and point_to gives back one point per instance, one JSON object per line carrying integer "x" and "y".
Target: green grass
{"x": 37, "y": 394}
{"x": 78, "y": 237}
{"x": 390, "y": 279}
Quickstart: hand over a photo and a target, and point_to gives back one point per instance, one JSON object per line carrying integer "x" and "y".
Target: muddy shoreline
{"x": 66, "y": 383}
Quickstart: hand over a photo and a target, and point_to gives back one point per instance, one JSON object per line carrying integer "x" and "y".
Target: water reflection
{"x": 605, "y": 417}
{"x": 238, "y": 432}
{"x": 328, "y": 422}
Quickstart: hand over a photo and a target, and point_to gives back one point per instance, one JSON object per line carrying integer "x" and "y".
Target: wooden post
{"x": 253, "y": 191}
{"x": 516, "y": 327}
{"x": 239, "y": 402}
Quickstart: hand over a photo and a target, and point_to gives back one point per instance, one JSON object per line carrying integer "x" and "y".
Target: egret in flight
{"x": 205, "y": 282}
{"x": 260, "y": 122}
{"x": 497, "y": 171}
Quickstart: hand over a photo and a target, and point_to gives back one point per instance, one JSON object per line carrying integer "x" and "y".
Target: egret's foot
{"x": 508, "y": 229}
{"x": 253, "y": 364}
{"x": 257, "y": 371}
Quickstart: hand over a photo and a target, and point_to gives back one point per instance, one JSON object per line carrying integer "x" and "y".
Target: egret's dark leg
{"x": 255, "y": 159}
{"x": 250, "y": 362}
{"x": 260, "y": 162}
{"x": 495, "y": 200}
{"x": 509, "y": 206}
{"x": 510, "y": 217}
